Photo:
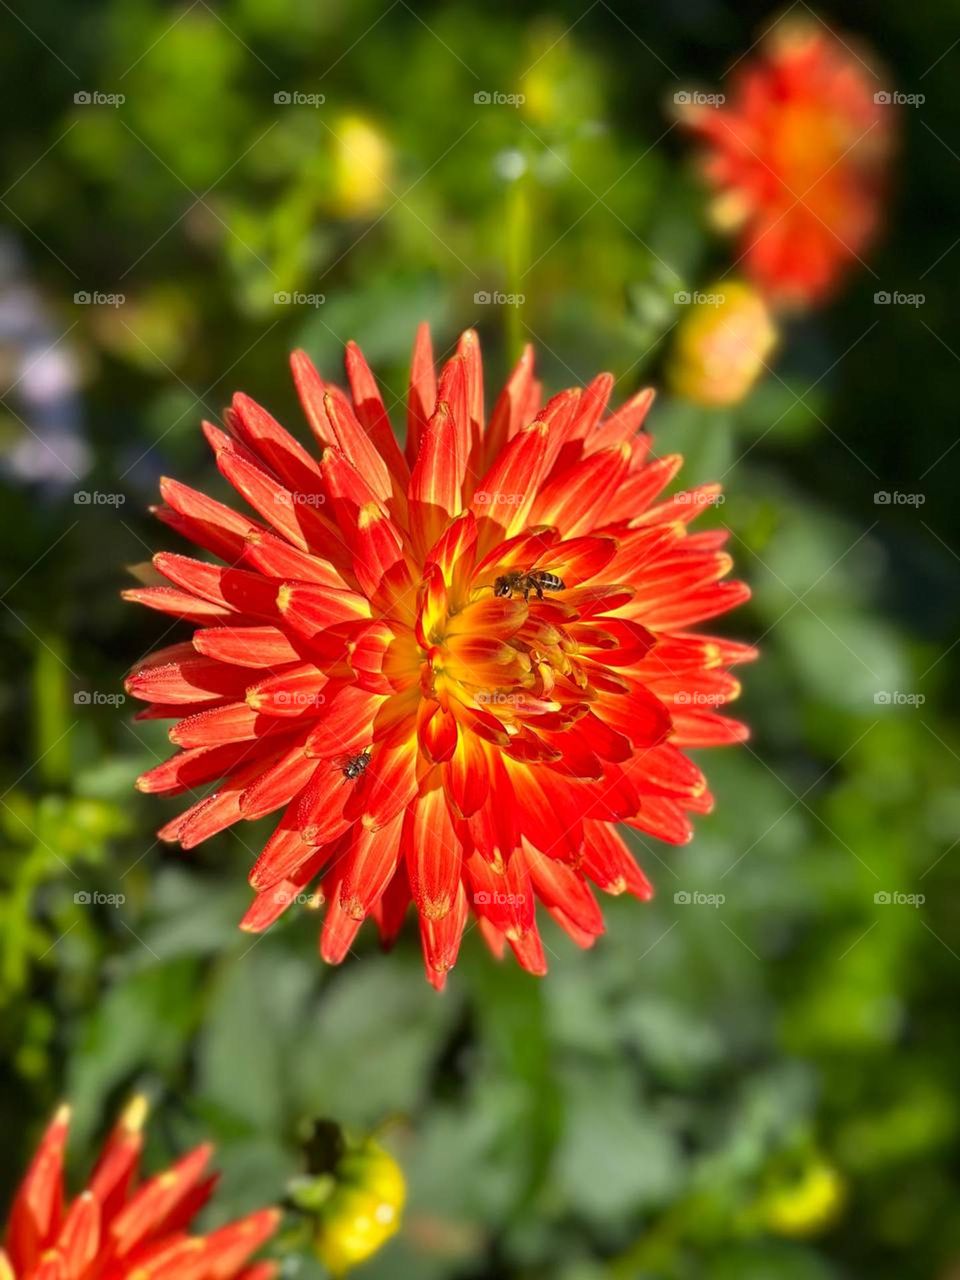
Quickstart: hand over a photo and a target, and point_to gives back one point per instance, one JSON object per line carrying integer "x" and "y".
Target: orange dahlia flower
{"x": 798, "y": 154}
{"x": 122, "y": 1229}
{"x": 454, "y": 667}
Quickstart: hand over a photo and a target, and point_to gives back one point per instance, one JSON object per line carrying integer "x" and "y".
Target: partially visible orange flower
{"x": 722, "y": 344}
{"x": 798, "y": 155}
{"x": 455, "y": 667}
{"x": 120, "y": 1228}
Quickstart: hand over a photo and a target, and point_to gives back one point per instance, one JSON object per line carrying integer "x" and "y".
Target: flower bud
{"x": 807, "y": 1204}
{"x": 361, "y": 168}
{"x": 722, "y": 344}
{"x": 358, "y": 1206}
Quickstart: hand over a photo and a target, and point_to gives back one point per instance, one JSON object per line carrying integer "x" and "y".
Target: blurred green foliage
{"x": 761, "y": 1088}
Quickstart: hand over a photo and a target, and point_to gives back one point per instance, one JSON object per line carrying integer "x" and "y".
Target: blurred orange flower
{"x": 454, "y": 667}
{"x": 119, "y": 1228}
{"x": 798, "y": 154}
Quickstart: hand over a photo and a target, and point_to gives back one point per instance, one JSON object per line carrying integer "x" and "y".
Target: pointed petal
{"x": 434, "y": 855}
{"x": 205, "y": 522}
{"x": 289, "y": 461}
{"x": 435, "y": 480}
{"x": 372, "y": 413}
{"x": 79, "y": 1237}
{"x": 609, "y": 863}
{"x": 157, "y": 1200}
{"x": 311, "y": 390}
{"x": 503, "y": 498}
{"x": 252, "y": 647}
{"x": 441, "y": 937}
{"x": 369, "y": 865}
{"x": 422, "y": 395}
{"x": 354, "y": 442}
{"x": 246, "y": 593}
{"x": 38, "y": 1206}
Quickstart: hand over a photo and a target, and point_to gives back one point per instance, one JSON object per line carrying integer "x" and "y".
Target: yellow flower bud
{"x": 808, "y": 1204}
{"x": 361, "y": 167}
{"x": 722, "y": 344}
{"x": 363, "y": 1211}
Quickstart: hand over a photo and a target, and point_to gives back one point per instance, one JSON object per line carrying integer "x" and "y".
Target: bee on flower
{"x": 352, "y": 612}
